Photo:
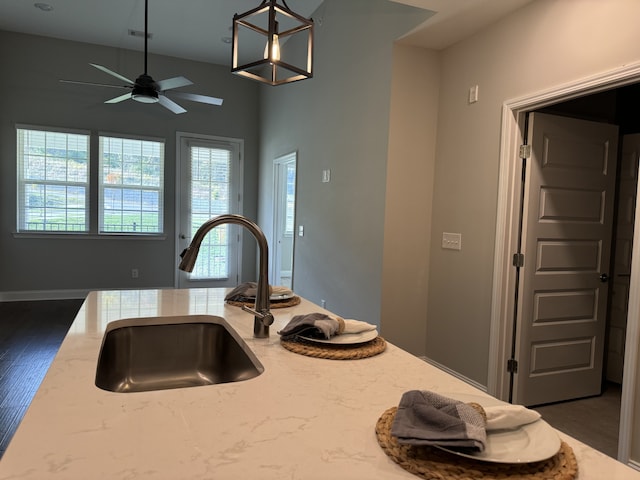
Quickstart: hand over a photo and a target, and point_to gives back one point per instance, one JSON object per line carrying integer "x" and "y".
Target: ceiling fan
{"x": 145, "y": 89}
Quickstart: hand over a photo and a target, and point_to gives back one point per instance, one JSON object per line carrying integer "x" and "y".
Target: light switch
{"x": 326, "y": 176}
{"x": 300, "y": 231}
{"x": 452, "y": 241}
{"x": 473, "y": 94}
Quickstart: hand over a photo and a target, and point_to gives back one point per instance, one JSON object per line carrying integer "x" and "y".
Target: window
{"x": 53, "y": 180}
{"x": 210, "y": 196}
{"x": 55, "y": 171}
{"x": 131, "y": 185}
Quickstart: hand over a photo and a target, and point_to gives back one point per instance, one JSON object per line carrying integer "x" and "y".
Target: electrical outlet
{"x": 323, "y": 303}
{"x": 452, "y": 241}
{"x": 326, "y": 176}
{"x": 134, "y": 273}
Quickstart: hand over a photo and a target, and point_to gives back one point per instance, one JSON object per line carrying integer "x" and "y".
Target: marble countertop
{"x": 303, "y": 418}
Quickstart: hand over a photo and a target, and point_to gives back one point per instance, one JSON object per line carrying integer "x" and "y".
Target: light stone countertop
{"x": 303, "y": 418}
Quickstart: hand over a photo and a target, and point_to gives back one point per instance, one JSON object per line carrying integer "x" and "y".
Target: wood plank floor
{"x": 30, "y": 336}
{"x": 31, "y": 333}
{"x": 595, "y": 420}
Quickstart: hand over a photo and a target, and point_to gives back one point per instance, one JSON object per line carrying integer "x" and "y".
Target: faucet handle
{"x": 265, "y": 317}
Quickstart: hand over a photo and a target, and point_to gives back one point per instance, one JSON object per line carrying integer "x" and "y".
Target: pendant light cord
{"x": 146, "y": 35}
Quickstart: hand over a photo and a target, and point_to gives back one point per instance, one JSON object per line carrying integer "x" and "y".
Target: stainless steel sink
{"x": 160, "y": 353}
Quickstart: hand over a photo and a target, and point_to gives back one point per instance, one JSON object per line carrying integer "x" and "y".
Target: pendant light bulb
{"x": 275, "y": 49}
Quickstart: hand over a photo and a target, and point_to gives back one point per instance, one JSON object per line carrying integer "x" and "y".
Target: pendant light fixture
{"x": 272, "y": 44}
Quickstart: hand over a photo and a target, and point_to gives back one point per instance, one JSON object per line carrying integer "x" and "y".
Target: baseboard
{"x": 454, "y": 373}
{"x": 32, "y": 295}
{"x": 633, "y": 464}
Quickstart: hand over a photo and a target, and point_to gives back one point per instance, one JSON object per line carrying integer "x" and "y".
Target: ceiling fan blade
{"x": 194, "y": 97}
{"x": 119, "y": 99}
{"x": 170, "y": 104}
{"x": 175, "y": 82}
{"x": 110, "y": 72}
{"x": 77, "y": 82}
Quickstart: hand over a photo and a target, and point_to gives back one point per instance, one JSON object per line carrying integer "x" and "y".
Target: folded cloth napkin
{"x": 509, "y": 416}
{"x": 311, "y": 324}
{"x": 427, "y": 418}
{"x": 242, "y": 292}
{"x": 356, "y": 326}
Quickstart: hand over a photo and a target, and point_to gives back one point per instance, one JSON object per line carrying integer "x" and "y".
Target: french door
{"x": 209, "y": 173}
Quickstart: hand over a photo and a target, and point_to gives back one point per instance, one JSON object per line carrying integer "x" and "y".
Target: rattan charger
{"x": 335, "y": 351}
{"x": 431, "y": 463}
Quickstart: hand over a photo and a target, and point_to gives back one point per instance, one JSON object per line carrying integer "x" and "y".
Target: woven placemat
{"x": 335, "y": 352}
{"x": 290, "y": 302}
{"x": 432, "y": 463}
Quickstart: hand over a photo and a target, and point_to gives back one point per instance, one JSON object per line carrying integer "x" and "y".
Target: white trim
{"x": 503, "y": 282}
{"x": 633, "y": 464}
{"x": 40, "y": 128}
{"x": 291, "y": 157}
{"x": 90, "y": 236}
{"x": 453, "y": 373}
{"x": 631, "y": 346}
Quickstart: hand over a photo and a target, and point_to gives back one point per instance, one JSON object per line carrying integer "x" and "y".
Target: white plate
{"x": 533, "y": 442}
{"x": 281, "y": 296}
{"x": 346, "y": 338}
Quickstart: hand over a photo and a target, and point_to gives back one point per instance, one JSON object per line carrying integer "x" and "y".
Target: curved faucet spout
{"x": 262, "y": 316}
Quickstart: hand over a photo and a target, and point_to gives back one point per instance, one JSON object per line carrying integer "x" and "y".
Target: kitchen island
{"x": 302, "y": 418}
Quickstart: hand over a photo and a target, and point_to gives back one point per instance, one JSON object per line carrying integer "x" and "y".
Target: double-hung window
{"x": 55, "y": 170}
{"x": 53, "y": 180}
{"x": 131, "y": 185}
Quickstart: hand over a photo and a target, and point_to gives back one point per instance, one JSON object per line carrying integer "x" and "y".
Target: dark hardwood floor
{"x": 30, "y": 336}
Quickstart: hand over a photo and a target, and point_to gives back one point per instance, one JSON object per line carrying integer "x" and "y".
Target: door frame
{"x": 278, "y": 164}
{"x": 180, "y": 136}
{"x": 502, "y": 301}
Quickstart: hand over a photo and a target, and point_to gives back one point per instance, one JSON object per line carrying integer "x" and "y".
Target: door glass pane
{"x": 210, "y": 196}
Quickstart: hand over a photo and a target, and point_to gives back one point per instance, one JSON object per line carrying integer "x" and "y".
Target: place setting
{"x": 461, "y": 436}
{"x": 245, "y": 295}
{"x": 332, "y": 337}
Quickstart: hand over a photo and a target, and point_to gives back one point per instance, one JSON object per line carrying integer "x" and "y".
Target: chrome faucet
{"x": 262, "y": 316}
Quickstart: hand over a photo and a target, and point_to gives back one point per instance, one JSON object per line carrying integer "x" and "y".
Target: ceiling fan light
{"x": 144, "y": 94}
{"x": 258, "y": 44}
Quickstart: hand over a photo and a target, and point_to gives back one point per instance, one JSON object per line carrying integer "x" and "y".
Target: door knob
{"x": 604, "y": 278}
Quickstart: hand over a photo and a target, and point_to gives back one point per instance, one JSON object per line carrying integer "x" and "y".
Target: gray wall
{"x": 339, "y": 120}
{"x": 546, "y": 44}
{"x": 30, "y": 93}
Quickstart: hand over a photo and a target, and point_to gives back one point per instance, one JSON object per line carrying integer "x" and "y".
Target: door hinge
{"x": 512, "y": 366}
{"x": 518, "y": 259}
{"x": 525, "y": 151}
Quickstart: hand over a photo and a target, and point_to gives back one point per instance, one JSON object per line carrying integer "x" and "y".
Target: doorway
{"x": 565, "y": 237}
{"x": 284, "y": 207}
{"x": 619, "y": 86}
{"x": 208, "y": 180}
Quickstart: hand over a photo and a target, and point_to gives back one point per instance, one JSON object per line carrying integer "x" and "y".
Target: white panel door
{"x": 567, "y": 228}
{"x": 621, "y": 273}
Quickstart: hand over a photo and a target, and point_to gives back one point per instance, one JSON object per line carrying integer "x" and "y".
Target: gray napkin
{"x": 426, "y": 418}
{"x": 245, "y": 292}
{"x": 312, "y": 325}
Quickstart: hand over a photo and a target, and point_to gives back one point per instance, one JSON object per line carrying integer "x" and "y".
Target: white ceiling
{"x": 195, "y": 29}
